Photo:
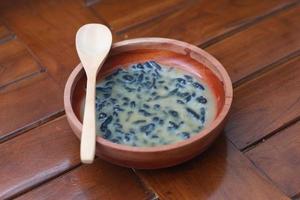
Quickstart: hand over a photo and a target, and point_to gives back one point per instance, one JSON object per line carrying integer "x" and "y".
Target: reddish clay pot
{"x": 165, "y": 51}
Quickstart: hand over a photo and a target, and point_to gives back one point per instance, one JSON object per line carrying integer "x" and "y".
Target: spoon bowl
{"x": 93, "y": 42}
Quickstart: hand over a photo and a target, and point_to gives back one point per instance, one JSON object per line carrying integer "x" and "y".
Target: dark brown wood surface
{"x": 212, "y": 175}
{"x": 265, "y": 104}
{"x": 36, "y": 156}
{"x": 27, "y": 102}
{"x": 260, "y": 46}
{"x": 48, "y": 28}
{"x": 120, "y": 16}
{"x": 97, "y": 181}
{"x": 202, "y": 22}
{"x": 258, "y": 155}
{"x": 279, "y": 159}
{"x": 16, "y": 63}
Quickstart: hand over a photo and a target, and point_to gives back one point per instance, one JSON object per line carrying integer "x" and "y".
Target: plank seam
{"x": 246, "y": 25}
{"x": 146, "y": 185}
{"x": 89, "y": 3}
{"x": 264, "y": 175}
{"x": 264, "y": 139}
{"x": 40, "y": 69}
{"x": 37, "y": 185}
{"x": 31, "y": 126}
{"x": 20, "y": 79}
{"x": 35, "y": 57}
{"x": 7, "y": 38}
{"x": 267, "y": 68}
{"x": 252, "y": 77}
{"x": 154, "y": 195}
{"x": 258, "y": 170}
{"x": 166, "y": 12}
{"x": 100, "y": 18}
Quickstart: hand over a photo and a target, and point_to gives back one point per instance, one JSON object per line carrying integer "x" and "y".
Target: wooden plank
{"x": 222, "y": 172}
{"x": 264, "y": 104}
{"x": 120, "y": 15}
{"x": 279, "y": 159}
{"x": 36, "y": 156}
{"x": 49, "y": 150}
{"x": 204, "y": 20}
{"x": 260, "y": 45}
{"x": 16, "y": 62}
{"x": 27, "y": 102}
{"x": 100, "y": 180}
{"x": 48, "y": 28}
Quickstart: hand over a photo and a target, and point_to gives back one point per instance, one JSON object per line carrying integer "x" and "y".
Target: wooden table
{"x": 258, "y": 155}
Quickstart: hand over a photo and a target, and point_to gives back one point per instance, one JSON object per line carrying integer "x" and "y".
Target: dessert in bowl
{"x": 159, "y": 102}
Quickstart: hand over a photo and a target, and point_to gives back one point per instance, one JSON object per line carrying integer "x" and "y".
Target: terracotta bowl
{"x": 171, "y": 53}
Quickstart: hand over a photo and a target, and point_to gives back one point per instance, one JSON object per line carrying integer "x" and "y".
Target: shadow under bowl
{"x": 168, "y": 52}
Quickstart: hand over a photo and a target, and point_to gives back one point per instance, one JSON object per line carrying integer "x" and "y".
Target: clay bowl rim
{"x": 227, "y": 85}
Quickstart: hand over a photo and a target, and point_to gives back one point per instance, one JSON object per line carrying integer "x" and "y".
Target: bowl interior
{"x": 165, "y": 57}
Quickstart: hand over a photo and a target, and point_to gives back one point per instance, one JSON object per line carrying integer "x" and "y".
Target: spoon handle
{"x": 88, "y": 136}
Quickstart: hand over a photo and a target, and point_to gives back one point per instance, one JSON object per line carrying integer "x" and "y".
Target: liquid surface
{"x": 149, "y": 105}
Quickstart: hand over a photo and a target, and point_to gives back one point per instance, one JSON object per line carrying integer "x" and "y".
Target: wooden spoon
{"x": 93, "y": 42}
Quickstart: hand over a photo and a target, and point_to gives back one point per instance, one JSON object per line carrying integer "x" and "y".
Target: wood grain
{"x": 264, "y": 104}
{"x": 99, "y": 180}
{"x": 49, "y": 150}
{"x": 259, "y": 46}
{"x": 48, "y": 28}
{"x": 120, "y": 15}
{"x": 279, "y": 159}
{"x": 36, "y": 156}
{"x": 27, "y": 102}
{"x": 220, "y": 173}
{"x": 16, "y": 62}
{"x": 204, "y": 20}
